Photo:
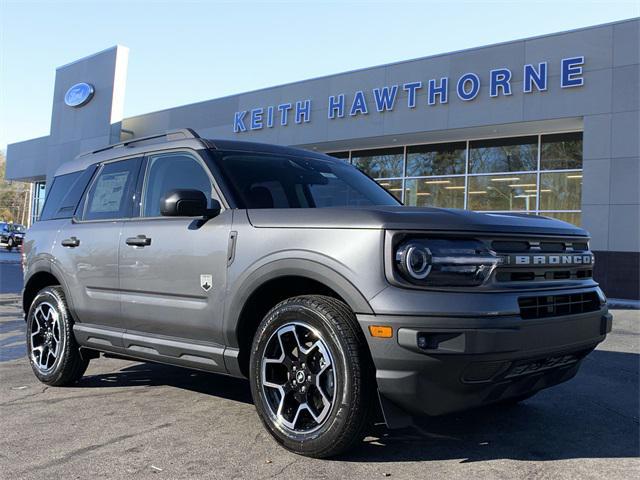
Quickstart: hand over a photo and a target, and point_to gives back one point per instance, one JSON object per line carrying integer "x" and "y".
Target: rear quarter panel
{"x": 38, "y": 246}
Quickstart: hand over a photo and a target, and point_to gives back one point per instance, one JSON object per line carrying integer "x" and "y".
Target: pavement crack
{"x": 281, "y": 471}
{"x": 31, "y": 395}
{"x": 74, "y": 454}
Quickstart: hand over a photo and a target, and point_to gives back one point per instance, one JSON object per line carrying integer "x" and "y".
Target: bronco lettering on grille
{"x": 528, "y": 260}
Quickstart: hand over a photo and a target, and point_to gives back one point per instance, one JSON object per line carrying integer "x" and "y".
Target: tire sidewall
{"x": 55, "y": 298}
{"x": 344, "y": 377}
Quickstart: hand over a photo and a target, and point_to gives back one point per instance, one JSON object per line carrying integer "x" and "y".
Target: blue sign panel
{"x": 434, "y": 91}
{"x": 79, "y": 94}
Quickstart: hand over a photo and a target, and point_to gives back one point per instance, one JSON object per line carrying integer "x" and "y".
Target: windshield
{"x": 18, "y": 228}
{"x": 281, "y": 181}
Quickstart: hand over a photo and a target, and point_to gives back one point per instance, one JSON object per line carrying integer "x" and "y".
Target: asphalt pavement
{"x": 127, "y": 419}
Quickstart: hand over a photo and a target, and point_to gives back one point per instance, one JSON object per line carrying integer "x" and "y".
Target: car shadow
{"x": 595, "y": 415}
{"x": 154, "y": 374}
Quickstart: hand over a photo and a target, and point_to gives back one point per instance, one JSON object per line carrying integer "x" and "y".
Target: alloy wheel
{"x": 298, "y": 378}
{"x": 46, "y": 344}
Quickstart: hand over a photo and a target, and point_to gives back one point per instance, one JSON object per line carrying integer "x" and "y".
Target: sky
{"x": 188, "y": 51}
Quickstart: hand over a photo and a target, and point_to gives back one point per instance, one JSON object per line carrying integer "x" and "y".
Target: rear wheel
{"x": 53, "y": 352}
{"x": 311, "y": 378}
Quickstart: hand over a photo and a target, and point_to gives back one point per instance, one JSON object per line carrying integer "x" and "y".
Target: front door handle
{"x": 139, "y": 241}
{"x": 70, "y": 242}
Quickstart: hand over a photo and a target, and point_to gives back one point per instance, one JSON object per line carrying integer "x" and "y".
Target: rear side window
{"x": 59, "y": 189}
{"x": 110, "y": 195}
{"x": 65, "y": 194}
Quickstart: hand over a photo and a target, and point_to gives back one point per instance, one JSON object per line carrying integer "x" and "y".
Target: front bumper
{"x": 469, "y": 362}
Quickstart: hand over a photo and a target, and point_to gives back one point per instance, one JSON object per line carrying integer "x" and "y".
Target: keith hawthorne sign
{"x": 433, "y": 92}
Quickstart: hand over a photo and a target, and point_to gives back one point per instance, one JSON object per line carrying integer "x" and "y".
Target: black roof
{"x": 183, "y": 138}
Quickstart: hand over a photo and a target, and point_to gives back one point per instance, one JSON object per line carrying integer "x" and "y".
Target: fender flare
{"x": 45, "y": 265}
{"x": 298, "y": 267}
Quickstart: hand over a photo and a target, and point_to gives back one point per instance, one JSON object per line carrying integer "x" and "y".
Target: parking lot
{"x": 133, "y": 420}
{"x": 10, "y": 271}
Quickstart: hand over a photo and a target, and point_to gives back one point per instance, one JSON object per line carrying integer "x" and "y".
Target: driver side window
{"x": 170, "y": 171}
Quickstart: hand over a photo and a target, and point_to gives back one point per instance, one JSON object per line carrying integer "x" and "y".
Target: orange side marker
{"x": 380, "y": 331}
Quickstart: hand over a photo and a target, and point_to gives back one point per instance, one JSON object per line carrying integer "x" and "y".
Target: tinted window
{"x": 110, "y": 194}
{"x": 280, "y": 181}
{"x": 503, "y": 155}
{"x": 170, "y": 172}
{"x": 436, "y": 159}
{"x": 380, "y": 163}
{"x": 561, "y": 151}
{"x": 59, "y": 189}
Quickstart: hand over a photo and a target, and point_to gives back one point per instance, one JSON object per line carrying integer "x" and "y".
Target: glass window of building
{"x": 569, "y": 217}
{"x": 380, "y": 163}
{"x": 561, "y": 151}
{"x": 39, "y": 190}
{"x": 515, "y": 154}
{"x": 435, "y": 192}
{"x": 502, "y": 192}
{"x": 502, "y": 174}
{"x": 560, "y": 190}
{"x": 394, "y": 187}
{"x": 436, "y": 159}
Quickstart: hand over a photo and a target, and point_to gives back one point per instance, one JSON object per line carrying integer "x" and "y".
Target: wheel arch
{"x": 36, "y": 282}
{"x": 43, "y": 275}
{"x": 266, "y": 287}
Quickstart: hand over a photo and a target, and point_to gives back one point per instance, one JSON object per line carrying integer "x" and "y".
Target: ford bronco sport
{"x": 299, "y": 272}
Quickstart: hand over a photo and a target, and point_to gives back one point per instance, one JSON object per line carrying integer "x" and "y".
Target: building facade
{"x": 547, "y": 125}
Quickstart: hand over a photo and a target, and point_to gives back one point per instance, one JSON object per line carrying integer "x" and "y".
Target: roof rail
{"x": 170, "y": 135}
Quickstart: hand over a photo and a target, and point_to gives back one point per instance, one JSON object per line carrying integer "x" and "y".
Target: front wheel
{"x": 53, "y": 352}
{"x": 311, "y": 377}
{"x": 10, "y": 244}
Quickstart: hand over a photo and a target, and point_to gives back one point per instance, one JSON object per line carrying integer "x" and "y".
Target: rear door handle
{"x": 139, "y": 241}
{"x": 70, "y": 242}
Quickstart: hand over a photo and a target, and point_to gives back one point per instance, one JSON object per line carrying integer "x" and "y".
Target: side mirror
{"x": 187, "y": 203}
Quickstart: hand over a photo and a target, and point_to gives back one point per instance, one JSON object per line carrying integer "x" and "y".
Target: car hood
{"x": 410, "y": 218}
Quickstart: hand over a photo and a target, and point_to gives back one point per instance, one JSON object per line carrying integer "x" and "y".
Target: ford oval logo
{"x": 79, "y": 94}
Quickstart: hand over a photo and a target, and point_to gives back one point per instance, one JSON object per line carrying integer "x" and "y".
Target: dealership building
{"x": 546, "y": 125}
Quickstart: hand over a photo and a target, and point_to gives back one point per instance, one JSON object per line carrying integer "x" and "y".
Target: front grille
{"x": 532, "y": 246}
{"x": 556, "y": 305}
{"x": 537, "y": 260}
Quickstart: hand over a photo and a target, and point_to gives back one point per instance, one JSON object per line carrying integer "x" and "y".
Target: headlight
{"x": 445, "y": 263}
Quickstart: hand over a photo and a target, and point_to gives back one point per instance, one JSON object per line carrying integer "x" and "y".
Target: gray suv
{"x": 297, "y": 271}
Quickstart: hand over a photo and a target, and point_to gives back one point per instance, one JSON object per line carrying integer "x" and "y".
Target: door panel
{"x": 173, "y": 269}
{"x": 161, "y": 288}
{"x": 86, "y": 251}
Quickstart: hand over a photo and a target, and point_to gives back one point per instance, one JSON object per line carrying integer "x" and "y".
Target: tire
{"x": 339, "y": 390}
{"x": 52, "y": 349}
{"x": 10, "y": 244}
